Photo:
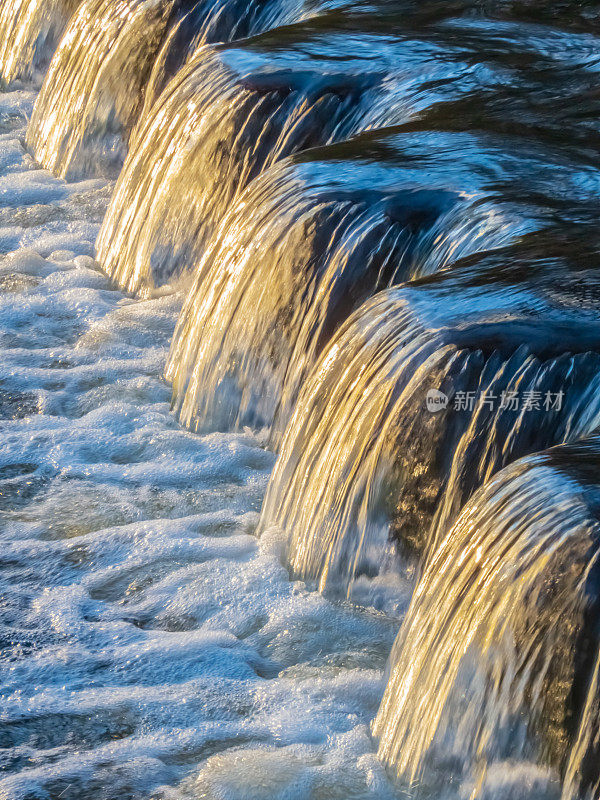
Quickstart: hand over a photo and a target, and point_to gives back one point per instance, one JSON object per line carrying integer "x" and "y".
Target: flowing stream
{"x": 299, "y": 400}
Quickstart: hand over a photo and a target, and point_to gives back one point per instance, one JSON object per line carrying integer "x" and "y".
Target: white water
{"x": 149, "y": 637}
{"x": 152, "y": 647}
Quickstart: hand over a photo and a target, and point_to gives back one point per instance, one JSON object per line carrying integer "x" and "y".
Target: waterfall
{"x": 112, "y": 54}
{"x": 94, "y": 88}
{"x": 373, "y": 227}
{"x": 216, "y": 133}
{"x": 363, "y": 450}
{"x": 29, "y": 33}
{"x": 300, "y": 249}
{"x": 211, "y": 21}
{"x": 502, "y": 636}
{"x": 289, "y": 263}
{"x": 215, "y": 21}
{"x": 234, "y": 111}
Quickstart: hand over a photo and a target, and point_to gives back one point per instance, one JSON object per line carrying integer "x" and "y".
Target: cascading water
{"x": 93, "y": 91}
{"x": 224, "y": 21}
{"x": 312, "y": 238}
{"x": 502, "y": 637}
{"x": 29, "y": 32}
{"x": 114, "y": 52}
{"x": 363, "y": 449}
{"x": 235, "y": 110}
{"x": 152, "y": 645}
{"x": 287, "y": 265}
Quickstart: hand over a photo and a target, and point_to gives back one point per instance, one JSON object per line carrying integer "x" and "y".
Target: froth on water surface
{"x": 151, "y": 646}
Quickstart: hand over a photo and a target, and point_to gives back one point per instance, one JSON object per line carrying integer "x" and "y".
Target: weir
{"x": 296, "y": 254}
{"x": 235, "y": 110}
{"x": 29, "y": 33}
{"x": 302, "y": 248}
{"x": 364, "y": 454}
{"x": 379, "y": 219}
{"x": 116, "y": 57}
{"x": 502, "y": 638}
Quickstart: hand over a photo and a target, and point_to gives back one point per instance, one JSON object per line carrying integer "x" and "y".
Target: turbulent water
{"x": 503, "y": 618}
{"x": 148, "y": 639}
{"x": 29, "y": 33}
{"x": 300, "y": 338}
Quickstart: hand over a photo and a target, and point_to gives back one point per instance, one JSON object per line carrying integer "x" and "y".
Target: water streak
{"x": 234, "y": 111}
{"x": 501, "y": 639}
{"x": 362, "y": 450}
{"x": 93, "y": 91}
{"x": 29, "y": 32}
{"x": 297, "y": 254}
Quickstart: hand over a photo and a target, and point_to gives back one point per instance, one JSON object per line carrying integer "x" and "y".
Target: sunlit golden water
{"x": 489, "y": 645}
{"x": 357, "y": 204}
{"x": 94, "y": 87}
{"x": 29, "y": 31}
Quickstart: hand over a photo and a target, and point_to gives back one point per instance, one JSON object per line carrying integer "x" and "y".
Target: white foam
{"x": 152, "y": 645}
{"x": 151, "y": 639}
